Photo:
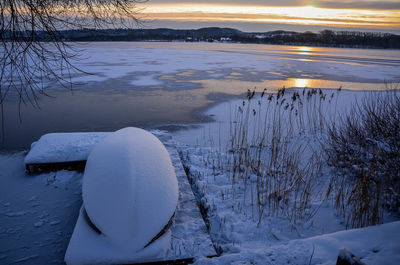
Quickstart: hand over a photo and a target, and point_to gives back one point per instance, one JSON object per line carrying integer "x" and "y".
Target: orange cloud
{"x": 304, "y": 15}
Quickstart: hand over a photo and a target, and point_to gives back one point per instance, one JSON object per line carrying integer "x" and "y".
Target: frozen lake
{"x": 165, "y": 85}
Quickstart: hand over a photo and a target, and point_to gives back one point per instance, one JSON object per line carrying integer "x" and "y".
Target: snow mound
{"x": 63, "y": 147}
{"x": 373, "y": 245}
{"x": 130, "y": 190}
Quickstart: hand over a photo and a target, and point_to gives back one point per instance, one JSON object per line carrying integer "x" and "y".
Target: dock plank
{"x": 189, "y": 233}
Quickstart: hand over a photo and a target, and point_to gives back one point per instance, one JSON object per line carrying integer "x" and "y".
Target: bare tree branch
{"x": 33, "y": 50}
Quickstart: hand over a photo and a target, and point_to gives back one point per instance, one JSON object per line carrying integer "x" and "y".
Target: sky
{"x": 258, "y": 15}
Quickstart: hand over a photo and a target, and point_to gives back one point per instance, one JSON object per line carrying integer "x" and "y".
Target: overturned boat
{"x": 130, "y": 194}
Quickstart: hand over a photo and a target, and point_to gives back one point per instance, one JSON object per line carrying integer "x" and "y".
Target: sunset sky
{"x": 264, "y": 15}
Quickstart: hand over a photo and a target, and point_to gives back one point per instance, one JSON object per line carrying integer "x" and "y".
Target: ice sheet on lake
{"x": 125, "y": 58}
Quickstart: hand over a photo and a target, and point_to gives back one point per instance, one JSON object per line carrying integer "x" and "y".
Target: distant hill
{"x": 215, "y": 34}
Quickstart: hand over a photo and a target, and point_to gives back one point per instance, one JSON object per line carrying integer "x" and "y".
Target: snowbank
{"x": 373, "y": 245}
{"x": 130, "y": 193}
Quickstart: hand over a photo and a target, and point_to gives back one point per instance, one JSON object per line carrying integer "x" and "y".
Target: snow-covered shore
{"x": 276, "y": 237}
{"x": 38, "y": 213}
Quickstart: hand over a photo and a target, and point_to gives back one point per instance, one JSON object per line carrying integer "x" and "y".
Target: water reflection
{"x": 304, "y": 50}
{"x": 301, "y": 82}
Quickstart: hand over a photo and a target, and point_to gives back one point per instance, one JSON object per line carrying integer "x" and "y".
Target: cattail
{"x": 262, "y": 94}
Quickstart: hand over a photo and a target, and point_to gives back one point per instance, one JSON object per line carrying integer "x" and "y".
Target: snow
{"x": 230, "y": 209}
{"x": 28, "y": 225}
{"x": 373, "y": 245}
{"x": 63, "y": 147}
{"x": 39, "y": 213}
{"x": 88, "y": 247}
{"x": 152, "y": 60}
{"x": 189, "y": 233}
{"x": 130, "y": 193}
{"x": 147, "y": 80}
{"x": 29, "y": 206}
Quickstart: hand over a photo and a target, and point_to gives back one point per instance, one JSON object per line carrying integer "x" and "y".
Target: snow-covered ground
{"x": 38, "y": 213}
{"x": 231, "y": 205}
{"x": 373, "y": 245}
{"x": 314, "y": 239}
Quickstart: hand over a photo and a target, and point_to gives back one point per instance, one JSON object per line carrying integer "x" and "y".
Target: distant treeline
{"x": 323, "y": 38}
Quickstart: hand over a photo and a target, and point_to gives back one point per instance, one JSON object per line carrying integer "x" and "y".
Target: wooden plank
{"x": 190, "y": 237}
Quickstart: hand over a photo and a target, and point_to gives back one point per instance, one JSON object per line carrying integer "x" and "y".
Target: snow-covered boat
{"x": 130, "y": 194}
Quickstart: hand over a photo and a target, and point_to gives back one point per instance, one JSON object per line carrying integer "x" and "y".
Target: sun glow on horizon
{"x": 300, "y": 15}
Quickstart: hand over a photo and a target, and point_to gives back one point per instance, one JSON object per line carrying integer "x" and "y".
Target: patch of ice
{"x": 146, "y": 80}
{"x": 171, "y": 58}
{"x": 18, "y": 235}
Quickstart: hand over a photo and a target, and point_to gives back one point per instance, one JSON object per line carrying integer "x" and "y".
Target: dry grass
{"x": 275, "y": 155}
{"x": 266, "y": 144}
{"x": 364, "y": 151}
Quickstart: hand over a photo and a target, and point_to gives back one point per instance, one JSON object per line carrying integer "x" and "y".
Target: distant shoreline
{"x": 238, "y": 42}
{"x": 325, "y": 38}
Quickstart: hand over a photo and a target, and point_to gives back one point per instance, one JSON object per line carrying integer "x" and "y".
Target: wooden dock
{"x": 190, "y": 238}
